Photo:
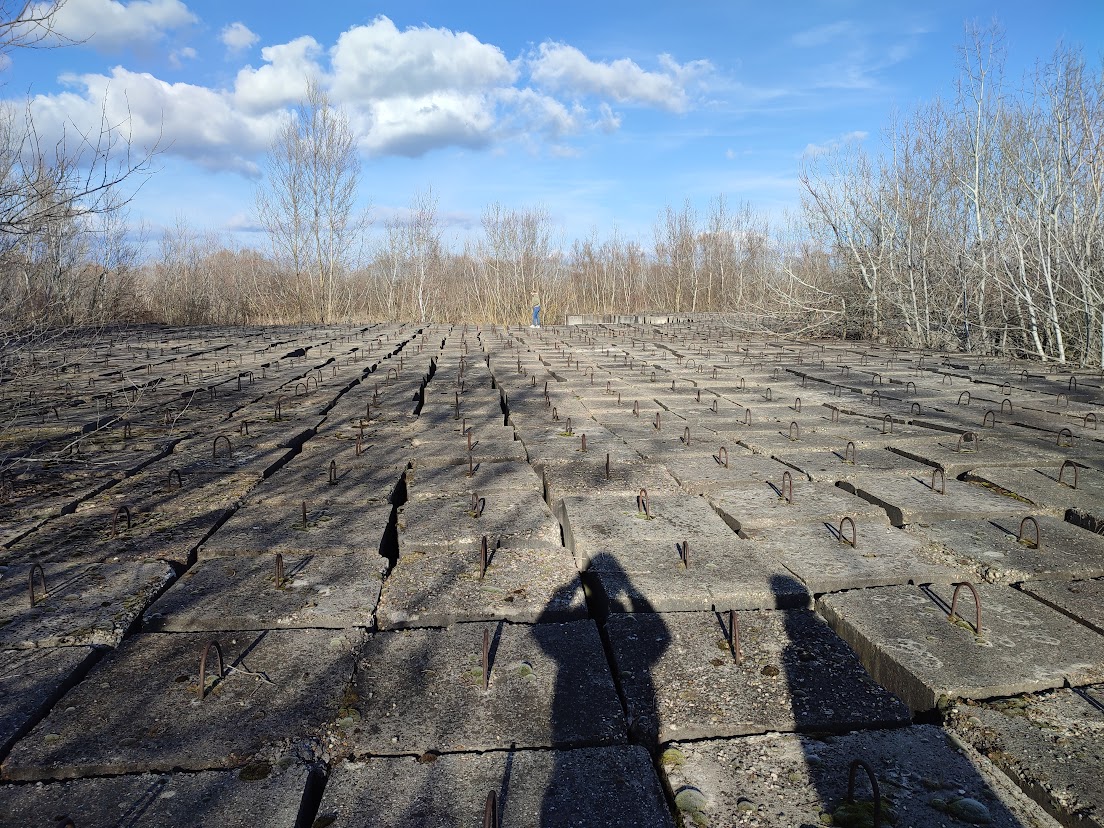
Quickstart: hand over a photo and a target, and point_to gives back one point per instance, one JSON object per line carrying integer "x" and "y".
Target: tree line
{"x": 975, "y": 224}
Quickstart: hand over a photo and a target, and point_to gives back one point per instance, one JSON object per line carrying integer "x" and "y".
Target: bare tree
{"x": 308, "y": 198}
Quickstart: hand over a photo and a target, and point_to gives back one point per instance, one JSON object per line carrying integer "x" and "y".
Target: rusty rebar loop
{"x": 786, "y": 489}
{"x": 305, "y": 524}
{"x": 910, "y": 387}
{"x": 582, "y": 446}
{"x": 555, "y": 414}
{"x": 486, "y": 660}
{"x": 964, "y": 439}
{"x": 243, "y": 427}
{"x": 850, "y": 453}
{"x": 333, "y": 473}
{"x": 835, "y": 413}
{"x": 683, "y": 550}
{"x": 1094, "y": 423}
{"x": 734, "y": 637}
{"x": 1062, "y": 471}
{"x": 278, "y": 413}
{"x": 1038, "y": 542}
{"x": 658, "y": 422}
{"x": 203, "y": 666}
{"x": 876, "y": 394}
{"x": 179, "y": 480}
{"x": 123, "y": 509}
{"x": 942, "y": 480}
{"x": 854, "y": 532}
{"x": 478, "y": 504}
{"x": 636, "y": 408}
{"x": 567, "y": 428}
{"x": 722, "y": 456}
{"x": 31, "y": 583}
{"x": 490, "y": 810}
{"x": 977, "y": 605}
{"x": 713, "y": 407}
{"x": 989, "y": 419}
{"x": 607, "y": 466}
{"x": 965, "y": 394}
{"x": 795, "y": 431}
{"x": 215, "y": 445}
{"x": 1067, "y": 436}
{"x": 797, "y": 403}
{"x": 769, "y": 395}
{"x": 484, "y": 554}
{"x": 359, "y": 445}
{"x": 642, "y": 503}
{"x": 1005, "y": 402}
{"x": 1059, "y": 398}
{"x": 279, "y": 571}
{"x": 686, "y": 435}
{"x": 747, "y": 416}
{"x": 875, "y": 789}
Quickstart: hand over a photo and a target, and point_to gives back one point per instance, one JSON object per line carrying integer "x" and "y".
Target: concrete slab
{"x": 991, "y": 549}
{"x": 615, "y": 787}
{"x": 909, "y": 500}
{"x": 93, "y": 605}
{"x": 883, "y": 556}
{"x": 908, "y": 644}
{"x": 240, "y": 593}
{"x": 424, "y": 482}
{"x": 279, "y": 690}
{"x": 1049, "y": 744}
{"x": 784, "y": 780}
{"x": 422, "y": 690}
{"x": 162, "y": 488}
{"x": 31, "y": 681}
{"x": 832, "y": 465}
{"x": 582, "y": 477}
{"x": 522, "y": 584}
{"x": 329, "y": 530}
{"x": 615, "y": 526}
{"x": 219, "y": 799}
{"x": 678, "y": 674}
{"x": 1082, "y": 601}
{"x": 1040, "y": 487}
{"x": 739, "y": 580}
{"x": 708, "y": 475}
{"x": 761, "y": 505}
{"x": 506, "y": 518}
{"x": 957, "y": 458}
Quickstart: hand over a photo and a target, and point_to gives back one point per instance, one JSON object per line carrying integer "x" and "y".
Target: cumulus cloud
{"x": 190, "y": 121}
{"x": 563, "y": 67}
{"x": 283, "y": 79}
{"x": 419, "y": 89}
{"x": 177, "y": 57}
{"x": 237, "y": 37}
{"x": 406, "y": 92}
{"x": 378, "y": 61}
{"x": 110, "y": 25}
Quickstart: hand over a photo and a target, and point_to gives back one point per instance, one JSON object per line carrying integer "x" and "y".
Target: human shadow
{"x": 606, "y": 583}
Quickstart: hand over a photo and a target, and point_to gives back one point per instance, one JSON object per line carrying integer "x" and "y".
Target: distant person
{"x": 534, "y": 300}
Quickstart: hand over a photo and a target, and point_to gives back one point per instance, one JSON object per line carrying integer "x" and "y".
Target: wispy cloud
{"x": 813, "y": 150}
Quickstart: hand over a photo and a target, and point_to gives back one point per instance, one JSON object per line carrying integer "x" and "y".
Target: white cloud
{"x": 406, "y": 93}
{"x": 189, "y": 121}
{"x": 413, "y": 126}
{"x": 283, "y": 78}
{"x": 237, "y": 37}
{"x": 420, "y": 89}
{"x": 813, "y": 150}
{"x": 111, "y": 25}
{"x": 378, "y": 61}
{"x": 178, "y": 56}
{"x": 563, "y": 67}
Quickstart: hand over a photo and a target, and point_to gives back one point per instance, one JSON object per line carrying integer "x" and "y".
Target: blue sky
{"x": 602, "y": 112}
